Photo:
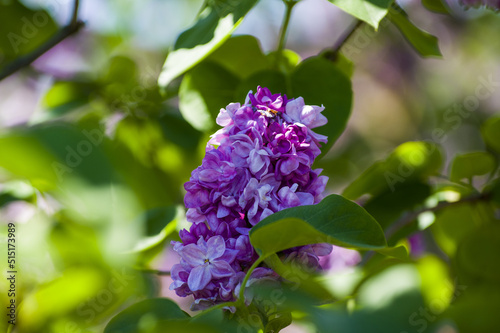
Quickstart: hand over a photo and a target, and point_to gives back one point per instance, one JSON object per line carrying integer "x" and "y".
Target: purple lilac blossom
{"x": 259, "y": 163}
{"x": 492, "y": 4}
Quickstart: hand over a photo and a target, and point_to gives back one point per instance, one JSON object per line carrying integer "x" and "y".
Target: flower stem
{"x": 241, "y": 298}
{"x": 284, "y": 27}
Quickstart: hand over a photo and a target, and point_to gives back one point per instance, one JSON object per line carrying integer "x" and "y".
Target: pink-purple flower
{"x": 206, "y": 260}
{"x": 259, "y": 163}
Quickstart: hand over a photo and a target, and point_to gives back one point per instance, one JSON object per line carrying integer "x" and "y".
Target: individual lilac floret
{"x": 207, "y": 262}
{"x": 259, "y": 163}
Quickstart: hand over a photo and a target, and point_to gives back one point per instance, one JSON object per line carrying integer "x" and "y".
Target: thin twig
{"x": 74, "y": 17}
{"x": 154, "y": 271}
{"x": 411, "y": 217}
{"x": 74, "y": 26}
{"x": 346, "y": 35}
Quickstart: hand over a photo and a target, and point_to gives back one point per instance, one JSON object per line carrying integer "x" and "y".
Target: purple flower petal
{"x": 220, "y": 269}
{"x": 199, "y": 277}
{"x": 192, "y": 255}
{"x": 215, "y": 247}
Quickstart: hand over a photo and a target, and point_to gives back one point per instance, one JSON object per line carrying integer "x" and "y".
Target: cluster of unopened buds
{"x": 259, "y": 163}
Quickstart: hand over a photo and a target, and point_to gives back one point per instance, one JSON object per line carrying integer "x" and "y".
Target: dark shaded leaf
{"x": 320, "y": 82}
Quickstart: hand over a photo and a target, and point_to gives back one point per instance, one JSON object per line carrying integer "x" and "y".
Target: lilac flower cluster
{"x": 262, "y": 164}
{"x": 492, "y": 4}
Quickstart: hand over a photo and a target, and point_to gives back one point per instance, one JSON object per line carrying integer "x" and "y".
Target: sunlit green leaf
{"x": 212, "y": 29}
{"x": 435, "y": 277}
{"x": 471, "y": 164}
{"x": 65, "y": 96}
{"x": 287, "y": 61}
{"x": 399, "y": 252}
{"x": 59, "y": 298}
{"x": 453, "y": 224}
{"x": 424, "y": 43}
{"x": 24, "y": 156}
{"x": 334, "y": 220}
{"x": 370, "y": 11}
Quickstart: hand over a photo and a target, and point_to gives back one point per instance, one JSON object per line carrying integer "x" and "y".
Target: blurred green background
{"x": 93, "y": 157}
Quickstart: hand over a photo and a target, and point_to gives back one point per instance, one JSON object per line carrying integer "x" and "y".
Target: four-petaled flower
{"x": 207, "y": 262}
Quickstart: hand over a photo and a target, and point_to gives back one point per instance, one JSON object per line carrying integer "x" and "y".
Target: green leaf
{"x": 491, "y": 133}
{"x": 475, "y": 308}
{"x": 24, "y": 156}
{"x": 24, "y": 30}
{"x": 438, "y": 6}
{"x": 453, "y": 224}
{"x": 152, "y": 310}
{"x": 61, "y": 296}
{"x": 411, "y": 161}
{"x": 177, "y": 130}
{"x": 278, "y": 322}
{"x": 494, "y": 188}
{"x": 159, "y": 223}
{"x": 398, "y": 252}
{"x": 471, "y": 164}
{"x": 215, "y": 26}
{"x": 479, "y": 253}
{"x": 65, "y": 96}
{"x": 288, "y": 60}
{"x": 334, "y": 220}
{"x": 320, "y": 82}
{"x": 241, "y": 55}
{"x": 203, "y": 92}
{"x": 345, "y": 65}
{"x": 300, "y": 278}
{"x": 369, "y": 11}
{"x": 390, "y": 205}
{"x": 272, "y": 79}
{"x": 424, "y": 43}
{"x": 80, "y": 149}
